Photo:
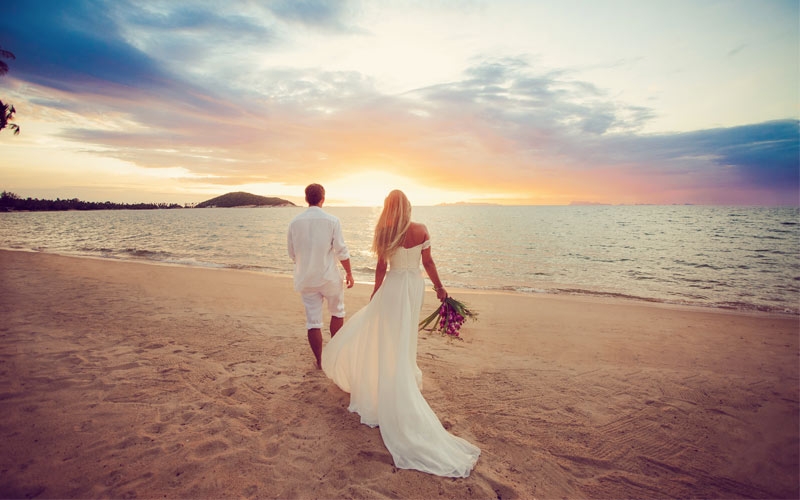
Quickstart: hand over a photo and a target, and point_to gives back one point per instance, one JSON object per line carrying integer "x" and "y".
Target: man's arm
{"x": 339, "y": 246}
{"x": 340, "y": 249}
{"x": 289, "y": 244}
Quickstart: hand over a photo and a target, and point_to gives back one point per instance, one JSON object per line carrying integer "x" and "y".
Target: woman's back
{"x": 407, "y": 258}
{"x": 417, "y": 233}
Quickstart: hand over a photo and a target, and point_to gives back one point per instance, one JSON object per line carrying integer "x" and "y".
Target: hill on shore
{"x": 242, "y": 199}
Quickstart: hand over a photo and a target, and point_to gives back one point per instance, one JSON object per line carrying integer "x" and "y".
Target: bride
{"x": 374, "y": 355}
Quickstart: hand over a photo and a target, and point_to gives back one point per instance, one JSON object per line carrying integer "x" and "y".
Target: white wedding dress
{"x": 374, "y": 358}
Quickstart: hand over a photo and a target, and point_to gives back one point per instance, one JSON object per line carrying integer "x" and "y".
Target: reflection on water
{"x": 733, "y": 257}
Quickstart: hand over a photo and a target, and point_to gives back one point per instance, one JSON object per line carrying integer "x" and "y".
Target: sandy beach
{"x": 133, "y": 380}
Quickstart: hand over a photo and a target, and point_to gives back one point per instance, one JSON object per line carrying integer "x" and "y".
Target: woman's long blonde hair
{"x": 390, "y": 231}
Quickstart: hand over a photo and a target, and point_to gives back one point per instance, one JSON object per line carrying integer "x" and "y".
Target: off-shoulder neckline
{"x": 415, "y": 246}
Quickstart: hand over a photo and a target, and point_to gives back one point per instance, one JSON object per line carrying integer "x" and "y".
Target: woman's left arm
{"x": 433, "y": 274}
{"x": 380, "y": 273}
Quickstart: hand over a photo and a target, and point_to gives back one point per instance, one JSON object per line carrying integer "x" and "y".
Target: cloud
{"x": 95, "y": 48}
{"x": 315, "y": 13}
{"x": 525, "y": 129}
{"x": 509, "y": 91}
{"x": 174, "y": 85}
{"x": 764, "y": 155}
{"x": 70, "y": 46}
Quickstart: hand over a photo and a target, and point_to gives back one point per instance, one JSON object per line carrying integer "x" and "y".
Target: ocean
{"x": 741, "y": 258}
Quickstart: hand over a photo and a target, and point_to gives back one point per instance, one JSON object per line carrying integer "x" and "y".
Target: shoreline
{"x": 131, "y": 380}
{"x": 522, "y": 290}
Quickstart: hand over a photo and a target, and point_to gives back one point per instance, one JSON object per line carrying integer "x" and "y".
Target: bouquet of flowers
{"x": 448, "y": 318}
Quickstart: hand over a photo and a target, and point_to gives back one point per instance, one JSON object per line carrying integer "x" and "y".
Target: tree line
{"x": 10, "y": 201}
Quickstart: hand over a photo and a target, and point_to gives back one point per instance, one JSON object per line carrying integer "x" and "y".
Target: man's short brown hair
{"x": 315, "y": 193}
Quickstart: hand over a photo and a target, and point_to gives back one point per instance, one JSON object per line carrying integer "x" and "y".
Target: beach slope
{"x": 124, "y": 380}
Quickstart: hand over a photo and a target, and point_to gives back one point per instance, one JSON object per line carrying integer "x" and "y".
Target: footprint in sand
{"x": 211, "y": 448}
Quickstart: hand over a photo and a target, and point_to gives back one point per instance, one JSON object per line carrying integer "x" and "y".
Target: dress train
{"x": 374, "y": 358}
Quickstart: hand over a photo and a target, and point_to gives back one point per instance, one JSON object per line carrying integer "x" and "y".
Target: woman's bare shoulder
{"x": 418, "y": 233}
{"x": 419, "y": 228}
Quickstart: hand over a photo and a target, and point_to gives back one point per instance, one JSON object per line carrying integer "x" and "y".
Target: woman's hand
{"x": 441, "y": 293}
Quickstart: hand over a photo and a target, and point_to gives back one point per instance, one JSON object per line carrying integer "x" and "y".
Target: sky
{"x": 502, "y": 101}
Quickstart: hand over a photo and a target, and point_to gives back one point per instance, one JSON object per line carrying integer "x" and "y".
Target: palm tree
{"x": 7, "y": 110}
{"x": 6, "y": 115}
{"x": 3, "y": 66}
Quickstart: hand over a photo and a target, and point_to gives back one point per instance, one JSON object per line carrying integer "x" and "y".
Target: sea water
{"x": 745, "y": 258}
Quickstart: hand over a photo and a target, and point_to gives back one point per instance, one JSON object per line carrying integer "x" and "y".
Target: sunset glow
{"x": 505, "y": 102}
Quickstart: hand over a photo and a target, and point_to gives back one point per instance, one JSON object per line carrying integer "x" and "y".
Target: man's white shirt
{"x": 316, "y": 245}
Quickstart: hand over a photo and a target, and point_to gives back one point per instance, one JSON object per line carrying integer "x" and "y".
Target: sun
{"x": 369, "y": 188}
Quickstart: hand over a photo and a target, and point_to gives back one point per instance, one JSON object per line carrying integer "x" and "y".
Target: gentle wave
{"x": 729, "y": 258}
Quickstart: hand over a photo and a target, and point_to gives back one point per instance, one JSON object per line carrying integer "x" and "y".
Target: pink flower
{"x": 450, "y": 315}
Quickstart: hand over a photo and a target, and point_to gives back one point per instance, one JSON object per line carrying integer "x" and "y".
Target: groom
{"x": 315, "y": 244}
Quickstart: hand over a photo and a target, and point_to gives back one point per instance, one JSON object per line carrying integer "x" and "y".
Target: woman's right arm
{"x": 380, "y": 273}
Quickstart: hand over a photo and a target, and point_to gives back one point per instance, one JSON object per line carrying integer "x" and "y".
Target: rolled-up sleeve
{"x": 339, "y": 247}
{"x": 290, "y": 244}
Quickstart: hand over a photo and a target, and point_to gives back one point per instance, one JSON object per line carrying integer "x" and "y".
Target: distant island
{"x": 468, "y": 204}
{"x": 11, "y": 202}
{"x": 242, "y": 199}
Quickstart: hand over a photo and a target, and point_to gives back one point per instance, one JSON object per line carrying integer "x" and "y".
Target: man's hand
{"x": 349, "y": 280}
